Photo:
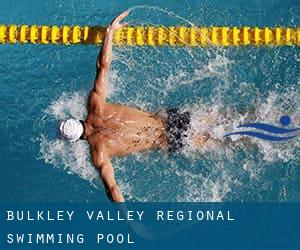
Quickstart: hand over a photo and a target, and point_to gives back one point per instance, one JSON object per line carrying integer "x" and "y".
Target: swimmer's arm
{"x": 103, "y": 164}
{"x": 102, "y": 65}
{"x": 105, "y": 56}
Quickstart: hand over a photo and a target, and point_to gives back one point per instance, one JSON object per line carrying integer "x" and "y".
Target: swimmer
{"x": 114, "y": 130}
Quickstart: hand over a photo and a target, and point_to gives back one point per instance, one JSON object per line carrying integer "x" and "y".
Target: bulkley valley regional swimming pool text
{"x": 51, "y": 216}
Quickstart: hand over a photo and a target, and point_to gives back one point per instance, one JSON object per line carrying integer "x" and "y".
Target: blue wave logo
{"x": 279, "y": 133}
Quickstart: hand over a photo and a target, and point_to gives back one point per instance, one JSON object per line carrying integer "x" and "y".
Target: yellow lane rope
{"x": 152, "y": 35}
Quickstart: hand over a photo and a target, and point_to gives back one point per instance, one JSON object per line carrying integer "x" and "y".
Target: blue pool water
{"x": 42, "y": 84}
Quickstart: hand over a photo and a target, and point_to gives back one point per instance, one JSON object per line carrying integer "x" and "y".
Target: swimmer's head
{"x": 70, "y": 130}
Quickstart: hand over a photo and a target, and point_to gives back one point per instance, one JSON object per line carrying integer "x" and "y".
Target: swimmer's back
{"x": 126, "y": 130}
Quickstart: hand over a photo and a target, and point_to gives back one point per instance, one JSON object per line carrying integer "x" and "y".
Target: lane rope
{"x": 152, "y": 35}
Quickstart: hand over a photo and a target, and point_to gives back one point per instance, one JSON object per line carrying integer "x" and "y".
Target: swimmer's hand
{"x": 115, "y": 24}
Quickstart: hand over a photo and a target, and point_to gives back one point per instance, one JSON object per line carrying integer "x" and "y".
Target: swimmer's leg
{"x": 200, "y": 140}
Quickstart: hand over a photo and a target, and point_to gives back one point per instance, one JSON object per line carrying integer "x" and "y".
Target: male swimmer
{"x": 117, "y": 130}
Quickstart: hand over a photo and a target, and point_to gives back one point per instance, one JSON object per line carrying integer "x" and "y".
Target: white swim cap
{"x": 70, "y": 130}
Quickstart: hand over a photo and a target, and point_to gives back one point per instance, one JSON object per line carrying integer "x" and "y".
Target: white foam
{"x": 214, "y": 118}
{"x": 217, "y": 121}
{"x": 68, "y": 105}
{"x": 72, "y": 157}
{"x": 174, "y": 182}
{"x": 211, "y": 188}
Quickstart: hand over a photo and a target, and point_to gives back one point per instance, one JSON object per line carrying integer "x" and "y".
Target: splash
{"x": 212, "y": 85}
{"x": 68, "y": 105}
{"x": 73, "y": 158}
{"x": 215, "y": 185}
{"x": 217, "y": 120}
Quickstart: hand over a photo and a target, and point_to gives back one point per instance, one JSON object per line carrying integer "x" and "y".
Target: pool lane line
{"x": 152, "y": 35}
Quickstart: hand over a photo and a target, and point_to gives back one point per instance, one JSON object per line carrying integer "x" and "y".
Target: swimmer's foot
{"x": 200, "y": 140}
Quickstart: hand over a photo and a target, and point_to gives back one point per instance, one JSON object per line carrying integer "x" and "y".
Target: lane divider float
{"x": 152, "y": 35}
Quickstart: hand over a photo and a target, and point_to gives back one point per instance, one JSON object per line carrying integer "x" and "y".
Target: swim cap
{"x": 70, "y": 129}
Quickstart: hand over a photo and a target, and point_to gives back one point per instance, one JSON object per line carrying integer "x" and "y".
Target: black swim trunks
{"x": 177, "y": 125}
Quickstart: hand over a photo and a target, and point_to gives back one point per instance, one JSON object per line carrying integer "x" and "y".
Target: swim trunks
{"x": 177, "y": 125}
